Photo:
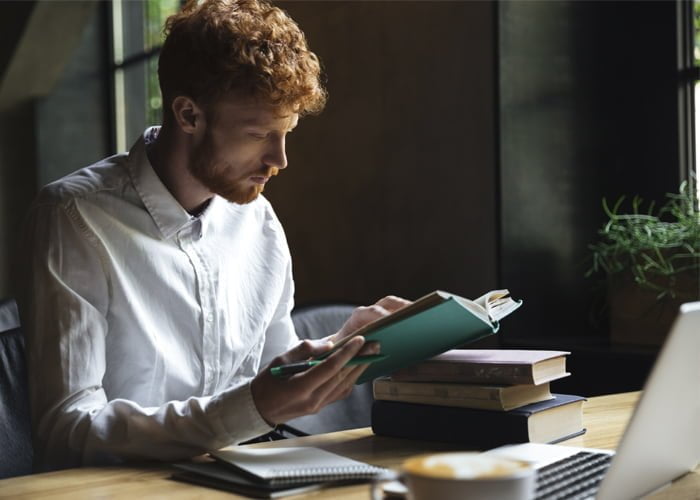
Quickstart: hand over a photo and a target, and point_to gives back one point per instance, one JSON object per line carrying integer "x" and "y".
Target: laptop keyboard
{"x": 573, "y": 478}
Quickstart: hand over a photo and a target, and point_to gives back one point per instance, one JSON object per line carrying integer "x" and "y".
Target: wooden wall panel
{"x": 393, "y": 188}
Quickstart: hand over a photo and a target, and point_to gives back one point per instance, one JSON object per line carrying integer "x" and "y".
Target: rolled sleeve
{"x": 236, "y": 410}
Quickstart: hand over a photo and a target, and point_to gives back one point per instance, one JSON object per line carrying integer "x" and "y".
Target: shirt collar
{"x": 164, "y": 209}
{"x": 206, "y": 217}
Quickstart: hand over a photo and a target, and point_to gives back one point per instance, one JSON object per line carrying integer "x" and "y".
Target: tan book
{"x": 488, "y": 366}
{"x": 482, "y": 397}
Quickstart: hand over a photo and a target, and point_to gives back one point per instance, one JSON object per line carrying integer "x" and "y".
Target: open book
{"x": 431, "y": 325}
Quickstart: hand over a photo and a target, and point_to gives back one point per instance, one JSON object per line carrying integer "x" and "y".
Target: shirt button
{"x": 210, "y": 317}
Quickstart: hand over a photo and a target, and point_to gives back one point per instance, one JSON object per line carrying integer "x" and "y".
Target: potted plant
{"x": 651, "y": 260}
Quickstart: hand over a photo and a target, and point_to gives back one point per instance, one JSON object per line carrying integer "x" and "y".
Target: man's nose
{"x": 276, "y": 155}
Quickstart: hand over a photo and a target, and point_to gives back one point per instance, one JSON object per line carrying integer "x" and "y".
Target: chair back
{"x": 16, "y": 451}
{"x": 319, "y": 321}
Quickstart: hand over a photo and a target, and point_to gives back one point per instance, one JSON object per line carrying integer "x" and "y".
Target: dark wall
{"x": 17, "y": 185}
{"x": 588, "y": 108}
{"x": 13, "y": 18}
{"x": 16, "y": 124}
{"x": 393, "y": 188}
{"x": 52, "y": 107}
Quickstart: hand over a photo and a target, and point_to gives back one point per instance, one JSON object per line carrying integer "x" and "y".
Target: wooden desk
{"x": 605, "y": 418}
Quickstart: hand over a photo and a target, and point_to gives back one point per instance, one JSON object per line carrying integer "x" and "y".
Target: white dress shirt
{"x": 144, "y": 324}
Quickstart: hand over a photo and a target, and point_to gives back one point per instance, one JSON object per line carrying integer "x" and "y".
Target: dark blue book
{"x": 548, "y": 421}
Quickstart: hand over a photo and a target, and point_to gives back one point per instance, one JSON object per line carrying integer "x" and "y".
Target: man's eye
{"x": 258, "y": 137}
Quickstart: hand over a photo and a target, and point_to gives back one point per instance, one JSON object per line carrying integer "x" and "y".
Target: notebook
{"x": 223, "y": 477}
{"x": 285, "y": 466}
{"x": 661, "y": 441}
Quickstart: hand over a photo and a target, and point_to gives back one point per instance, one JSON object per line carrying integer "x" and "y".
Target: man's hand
{"x": 281, "y": 399}
{"x": 366, "y": 314}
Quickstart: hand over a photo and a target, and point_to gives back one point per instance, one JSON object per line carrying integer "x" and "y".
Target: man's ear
{"x": 187, "y": 114}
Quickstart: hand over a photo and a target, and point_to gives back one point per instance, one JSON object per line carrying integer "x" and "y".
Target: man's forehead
{"x": 248, "y": 111}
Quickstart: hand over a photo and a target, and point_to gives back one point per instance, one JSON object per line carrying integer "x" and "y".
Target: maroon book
{"x": 488, "y": 366}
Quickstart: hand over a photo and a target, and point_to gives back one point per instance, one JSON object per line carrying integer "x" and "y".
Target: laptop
{"x": 661, "y": 441}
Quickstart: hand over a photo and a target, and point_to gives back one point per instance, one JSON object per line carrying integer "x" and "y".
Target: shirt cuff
{"x": 239, "y": 415}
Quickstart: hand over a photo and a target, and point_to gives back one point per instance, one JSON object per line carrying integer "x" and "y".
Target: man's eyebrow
{"x": 256, "y": 122}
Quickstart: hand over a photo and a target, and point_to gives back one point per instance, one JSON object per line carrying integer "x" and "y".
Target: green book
{"x": 432, "y": 325}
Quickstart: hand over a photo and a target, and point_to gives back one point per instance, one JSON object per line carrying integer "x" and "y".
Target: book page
{"x": 477, "y": 309}
{"x": 498, "y": 304}
{"x": 492, "y": 306}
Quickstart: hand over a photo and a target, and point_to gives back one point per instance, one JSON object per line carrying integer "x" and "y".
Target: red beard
{"x": 217, "y": 176}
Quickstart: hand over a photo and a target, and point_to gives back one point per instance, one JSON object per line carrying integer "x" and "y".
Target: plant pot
{"x": 637, "y": 316}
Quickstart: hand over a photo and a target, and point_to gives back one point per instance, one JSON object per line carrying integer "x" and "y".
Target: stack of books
{"x": 479, "y": 397}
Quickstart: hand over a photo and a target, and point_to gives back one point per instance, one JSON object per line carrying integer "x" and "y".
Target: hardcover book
{"x": 488, "y": 366}
{"x": 485, "y": 397}
{"x": 548, "y": 421}
{"x": 431, "y": 325}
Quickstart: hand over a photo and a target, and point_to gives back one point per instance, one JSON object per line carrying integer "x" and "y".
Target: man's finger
{"x": 303, "y": 351}
{"x": 370, "y": 348}
{"x": 367, "y": 314}
{"x": 331, "y": 386}
{"x": 393, "y": 303}
{"x": 332, "y": 393}
{"x": 319, "y": 374}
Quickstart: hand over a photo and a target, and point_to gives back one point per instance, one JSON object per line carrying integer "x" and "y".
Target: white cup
{"x": 462, "y": 475}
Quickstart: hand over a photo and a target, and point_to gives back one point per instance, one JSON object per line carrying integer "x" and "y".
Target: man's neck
{"x": 169, "y": 154}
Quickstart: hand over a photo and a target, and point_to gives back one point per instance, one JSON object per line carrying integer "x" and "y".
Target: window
{"x": 137, "y": 35}
{"x": 696, "y": 84}
{"x": 688, "y": 16}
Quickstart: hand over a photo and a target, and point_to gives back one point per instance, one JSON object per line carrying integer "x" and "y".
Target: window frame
{"x": 688, "y": 79}
{"x": 118, "y": 66}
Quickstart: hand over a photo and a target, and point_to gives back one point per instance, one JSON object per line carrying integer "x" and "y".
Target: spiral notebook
{"x": 283, "y": 466}
{"x": 223, "y": 477}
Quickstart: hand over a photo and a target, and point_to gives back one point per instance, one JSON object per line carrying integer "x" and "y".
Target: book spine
{"x": 479, "y": 429}
{"x": 467, "y": 373}
{"x": 487, "y": 398}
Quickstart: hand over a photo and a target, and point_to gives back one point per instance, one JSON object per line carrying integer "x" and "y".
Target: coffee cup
{"x": 472, "y": 475}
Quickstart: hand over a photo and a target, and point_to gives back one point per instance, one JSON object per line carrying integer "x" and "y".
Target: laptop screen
{"x": 662, "y": 440}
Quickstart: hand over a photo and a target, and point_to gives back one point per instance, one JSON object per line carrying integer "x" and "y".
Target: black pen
{"x": 292, "y": 368}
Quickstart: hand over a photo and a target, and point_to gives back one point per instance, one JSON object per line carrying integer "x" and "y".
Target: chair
{"x": 319, "y": 321}
{"x": 16, "y": 451}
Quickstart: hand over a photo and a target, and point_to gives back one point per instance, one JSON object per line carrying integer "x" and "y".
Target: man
{"x": 161, "y": 280}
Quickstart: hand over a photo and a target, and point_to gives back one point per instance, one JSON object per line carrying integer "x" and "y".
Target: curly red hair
{"x": 216, "y": 46}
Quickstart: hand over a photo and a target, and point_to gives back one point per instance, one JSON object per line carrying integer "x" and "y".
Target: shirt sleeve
{"x": 65, "y": 309}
